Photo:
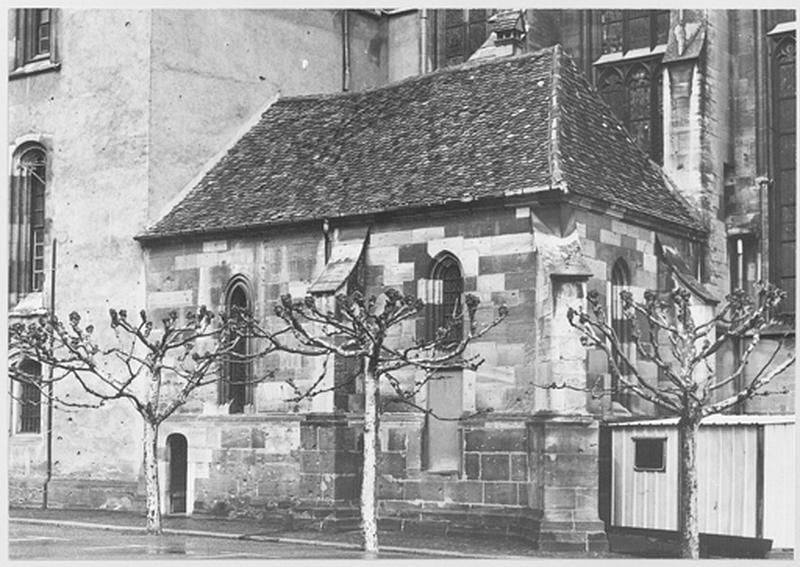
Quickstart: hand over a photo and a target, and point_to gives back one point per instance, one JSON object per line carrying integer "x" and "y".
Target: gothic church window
{"x": 27, "y": 222}
{"x": 632, "y": 86}
{"x": 625, "y": 30}
{"x": 464, "y": 32}
{"x": 235, "y": 387}
{"x": 622, "y": 326}
{"x": 783, "y": 196}
{"x": 448, "y": 288}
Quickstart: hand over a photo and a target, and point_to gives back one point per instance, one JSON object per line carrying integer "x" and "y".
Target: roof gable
{"x": 463, "y": 134}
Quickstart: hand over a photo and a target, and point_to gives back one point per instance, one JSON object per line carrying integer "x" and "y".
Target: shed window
{"x": 649, "y": 454}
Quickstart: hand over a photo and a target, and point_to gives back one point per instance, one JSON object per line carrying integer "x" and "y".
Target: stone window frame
{"x": 622, "y": 79}
{"x": 237, "y": 403}
{"x": 28, "y": 220}
{"x": 620, "y": 278}
{"x": 437, "y": 317}
{"x": 783, "y": 52}
{"x": 27, "y": 402}
{"x": 30, "y": 55}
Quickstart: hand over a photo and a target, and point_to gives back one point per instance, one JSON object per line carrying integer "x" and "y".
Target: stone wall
{"x": 125, "y": 130}
{"x": 236, "y": 464}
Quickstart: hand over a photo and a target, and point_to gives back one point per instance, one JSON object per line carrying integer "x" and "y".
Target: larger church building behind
{"x": 223, "y": 157}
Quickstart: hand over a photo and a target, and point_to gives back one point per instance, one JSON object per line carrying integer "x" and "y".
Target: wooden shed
{"x": 746, "y": 476}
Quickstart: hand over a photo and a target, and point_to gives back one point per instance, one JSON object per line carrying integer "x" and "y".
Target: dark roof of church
{"x": 486, "y": 130}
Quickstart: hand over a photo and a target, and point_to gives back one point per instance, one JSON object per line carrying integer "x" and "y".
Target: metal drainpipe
{"x": 49, "y": 432}
{"x": 345, "y": 50}
{"x": 423, "y": 41}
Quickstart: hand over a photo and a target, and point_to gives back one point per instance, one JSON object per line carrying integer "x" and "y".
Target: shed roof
{"x": 485, "y": 130}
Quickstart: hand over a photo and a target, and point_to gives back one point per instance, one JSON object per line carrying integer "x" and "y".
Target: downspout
{"x": 423, "y": 41}
{"x": 763, "y": 158}
{"x": 49, "y": 432}
{"x": 345, "y": 50}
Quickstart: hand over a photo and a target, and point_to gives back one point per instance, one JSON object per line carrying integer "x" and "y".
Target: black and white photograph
{"x": 389, "y": 283}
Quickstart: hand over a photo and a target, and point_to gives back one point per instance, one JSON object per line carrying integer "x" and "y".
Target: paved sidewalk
{"x": 475, "y": 547}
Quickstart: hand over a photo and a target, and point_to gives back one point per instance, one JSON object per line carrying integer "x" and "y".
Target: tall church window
{"x": 633, "y": 91}
{"x": 630, "y": 83}
{"x": 624, "y": 30}
{"x": 29, "y": 399}
{"x": 783, "y": 196}
{"x": 464, "y": 32}
{"x": 448, "y": 283}
{"x": 236, "y": 384}
{"x": 27, "y": 222}
{"x": 620, "y": 281}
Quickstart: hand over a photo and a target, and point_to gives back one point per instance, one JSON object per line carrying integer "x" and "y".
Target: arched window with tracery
{"x": 622, "y": 326}
{"x": 629, "y": 72}
{"x": 783, "y": 197}
{"x": 236, "y": 388}
{"x": 462, "y": 32}
{"x": 27, "y": 221}
{"x": 634, "y": 94}
{"x": 448, "y": 289}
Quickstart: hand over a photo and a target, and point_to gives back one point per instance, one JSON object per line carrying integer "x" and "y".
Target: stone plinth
{"x": 331, "y": 466}
{"x": 565, "y": 449}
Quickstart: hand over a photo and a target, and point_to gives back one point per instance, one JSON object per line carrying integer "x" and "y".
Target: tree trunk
{"x": 153, "y": 524}
{"x": 689, "y": 521}
{"x": 369, "y": 523}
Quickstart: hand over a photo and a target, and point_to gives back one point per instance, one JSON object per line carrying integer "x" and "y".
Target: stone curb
{"x": 271, "y": 539}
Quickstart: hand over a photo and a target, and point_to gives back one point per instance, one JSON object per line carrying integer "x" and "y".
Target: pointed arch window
{"x": 27, "y": 222}
{"x": 235, "y": 387}
{"x": 783, "y": 196}
{"x": 448, "y": 289}
{"x": 633, "y": 91}
{"x": 620, "y": 281}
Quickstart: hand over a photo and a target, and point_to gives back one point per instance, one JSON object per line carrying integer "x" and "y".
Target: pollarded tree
{"x": 665, "y": 334}
{"x": 359, "y": 328}
{"x": 154, "y": 368}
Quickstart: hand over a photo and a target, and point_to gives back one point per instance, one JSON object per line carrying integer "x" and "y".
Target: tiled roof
{"x": 474, "y": 132}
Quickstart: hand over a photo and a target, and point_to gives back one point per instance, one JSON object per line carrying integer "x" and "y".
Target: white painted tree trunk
{"x": 689, "y": 520}
{"x": 369, "y": 523}
{"x": 153, "y": 524}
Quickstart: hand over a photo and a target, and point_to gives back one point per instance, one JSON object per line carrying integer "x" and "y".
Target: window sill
{"x": 26, "y": 438}
{"x": 34, "y": 68}
{"x": 631, "y": 55}
{"x": 29, "y": 305}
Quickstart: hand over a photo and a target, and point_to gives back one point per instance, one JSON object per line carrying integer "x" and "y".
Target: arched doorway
{"x": 177, "y": 467}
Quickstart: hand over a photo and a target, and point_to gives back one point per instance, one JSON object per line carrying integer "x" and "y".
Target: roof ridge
{"x": 554, "y": 118}
{"x": 465, "y": 66}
